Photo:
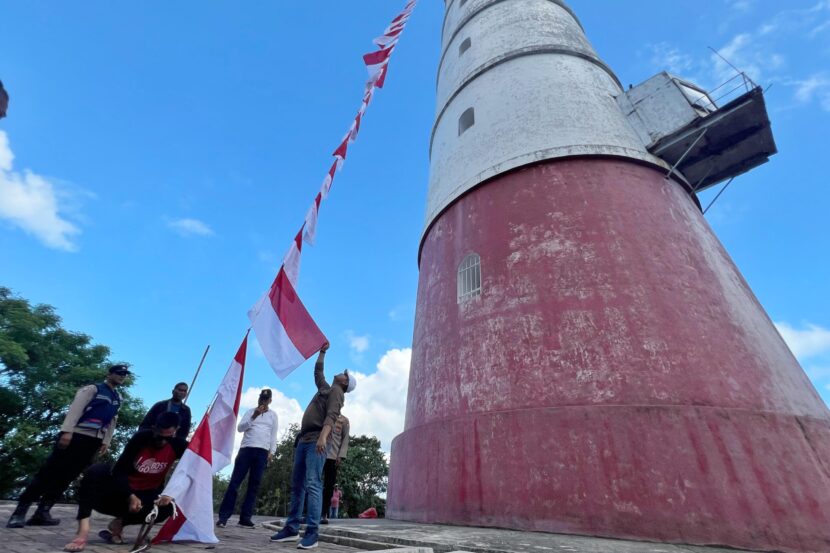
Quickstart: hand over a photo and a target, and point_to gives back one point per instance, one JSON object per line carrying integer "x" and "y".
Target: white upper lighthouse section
{"x": 518, "y": 82}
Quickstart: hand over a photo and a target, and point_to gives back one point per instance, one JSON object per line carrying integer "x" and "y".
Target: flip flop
{"x": 78, "y": 544}
{"x": 109, "y": 537}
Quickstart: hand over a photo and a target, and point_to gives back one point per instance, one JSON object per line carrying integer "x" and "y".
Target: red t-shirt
{"x": 151, "y": 466}
{"x": 335, "y": 498}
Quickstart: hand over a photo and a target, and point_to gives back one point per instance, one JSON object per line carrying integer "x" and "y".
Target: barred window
{"x": 469, "y": 277}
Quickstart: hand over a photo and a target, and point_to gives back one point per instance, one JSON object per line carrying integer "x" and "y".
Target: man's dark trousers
{"x": 98, "y": 491}
{"x": 249, "y": 459}
{"x": 329, "y": 480}
{"x": 60, "y": 469}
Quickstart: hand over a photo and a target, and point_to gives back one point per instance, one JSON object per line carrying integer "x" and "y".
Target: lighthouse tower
{"x": 586, "y": 357}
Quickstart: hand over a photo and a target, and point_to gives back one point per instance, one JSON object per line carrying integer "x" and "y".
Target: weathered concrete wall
{"x": 538, "y": 89}
{"x": 616, "y": 377}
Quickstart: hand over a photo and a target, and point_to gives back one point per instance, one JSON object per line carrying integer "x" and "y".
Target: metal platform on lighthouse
{"x": 683, "y": 125}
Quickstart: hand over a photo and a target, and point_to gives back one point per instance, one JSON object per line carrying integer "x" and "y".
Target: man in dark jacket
{"x": 310, "y": 454}
{"x": 133, "y": 486}
{"x": 86, "y": 430}
{"x": 173, "y": 405}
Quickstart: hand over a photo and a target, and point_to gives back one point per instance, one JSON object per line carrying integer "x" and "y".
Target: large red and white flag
{"x": 191, "y": 486}
{"x": 210, "y": 450}
{"x": 286, "y": 332}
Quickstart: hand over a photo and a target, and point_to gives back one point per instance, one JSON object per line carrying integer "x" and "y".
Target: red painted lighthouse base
{"x": 616, "y": 377}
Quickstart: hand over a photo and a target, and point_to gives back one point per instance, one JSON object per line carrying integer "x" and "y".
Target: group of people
{"x": 131, "y": 488}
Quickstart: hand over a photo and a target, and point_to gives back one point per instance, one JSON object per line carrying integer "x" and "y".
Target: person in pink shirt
{"x": 334, "y": 509}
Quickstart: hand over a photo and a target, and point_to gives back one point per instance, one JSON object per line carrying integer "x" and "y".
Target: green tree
{"x": 220, "y": 486}
{"x": 41, "y": 367}
{"x": 363, "y": 475}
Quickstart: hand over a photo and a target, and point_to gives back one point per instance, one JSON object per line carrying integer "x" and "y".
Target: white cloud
{"x": 378, "y": 404}
{"x": 742, "y": 6}
{"x": 190, "y": 227}
{"x": 31, "y": 202}
{"x": 287, "y": 408}
{"x": 807, "y": 342}
{"x": 815, "y": 87}
{"x": 267, "y": 256}
{"x": 820, "y": 28}
{"x": 758, "y": 52}
{"x": 817, "y": 372}
{"x": 670, "y": 58}
{"x": 743, "y": 52}
{"x": 358, "y": 344}
{"x": 6, "y": 155}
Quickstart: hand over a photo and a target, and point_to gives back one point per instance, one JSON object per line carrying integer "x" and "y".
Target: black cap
{"x": 120, "y": 369}
{"x": 168, "y": 419}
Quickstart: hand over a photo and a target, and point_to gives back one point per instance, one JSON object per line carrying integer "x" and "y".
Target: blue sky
{"x": 157, "y": 159}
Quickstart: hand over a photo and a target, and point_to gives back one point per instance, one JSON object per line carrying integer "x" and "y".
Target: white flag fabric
{"x": 291, "y": 261}
{"x": 286, "y": 332}
{"x": 192, "y": 487}
{"x": 310, "y": 227}
{"x": 210, "y": 450}
{"x": 225, "y": 410}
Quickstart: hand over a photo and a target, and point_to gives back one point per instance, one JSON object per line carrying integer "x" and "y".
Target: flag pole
{"x": 199, "y": 368}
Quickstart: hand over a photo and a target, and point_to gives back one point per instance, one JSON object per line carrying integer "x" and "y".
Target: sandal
{"x": 109, "y": 537}
{"x": 78, "y": 544}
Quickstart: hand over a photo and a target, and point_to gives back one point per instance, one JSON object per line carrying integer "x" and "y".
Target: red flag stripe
{"x": 341, "y": 150}
{"x": 201, "y": 444}
{"x": 170, "y": 529}
{"x": 378, "y": 56}
{"x": 240, "y": 358}
{"x": 300, "y": 327}
{"x": 299, "y": 238}
{"x": 382, "y": 76}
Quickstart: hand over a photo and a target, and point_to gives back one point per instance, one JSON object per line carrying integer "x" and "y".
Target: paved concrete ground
{"x": 48, "y": 539}
{"x": 443, "y": 539}
{"x": 342, "y": 536}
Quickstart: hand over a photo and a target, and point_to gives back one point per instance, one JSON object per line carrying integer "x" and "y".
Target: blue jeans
{"x": 307, "y": 478}
{"x": 333, "y": 512}
{"x": 249, "y": 459}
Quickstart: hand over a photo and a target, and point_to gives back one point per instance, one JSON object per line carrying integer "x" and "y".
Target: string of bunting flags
{"x": 284, "y": 328}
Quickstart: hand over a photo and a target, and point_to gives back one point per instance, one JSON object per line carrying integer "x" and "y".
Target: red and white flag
{"x": 225, "y": 410}
{"x": 286, "y": 332}
{"x": 210, "y": 450}
{"x": 191, "y": 486}
{"x": 310, "y": 226}
{"x": 291, "y": 260}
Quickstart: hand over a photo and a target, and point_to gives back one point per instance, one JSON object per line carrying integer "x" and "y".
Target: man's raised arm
{"x": 319, "y": 368}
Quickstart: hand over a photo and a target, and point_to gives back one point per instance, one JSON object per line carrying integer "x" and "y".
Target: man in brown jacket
{"x": 336, "y": 452}
{"x": 310, "y": 454}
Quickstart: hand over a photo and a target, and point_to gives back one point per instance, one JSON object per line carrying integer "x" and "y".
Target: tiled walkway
{"x": 233, "y": 539}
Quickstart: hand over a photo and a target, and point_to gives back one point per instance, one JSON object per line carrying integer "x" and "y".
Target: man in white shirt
{"x": 259, "y": 443}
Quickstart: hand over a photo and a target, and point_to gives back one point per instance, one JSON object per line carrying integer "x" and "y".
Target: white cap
{"x": 352, "y": 381}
